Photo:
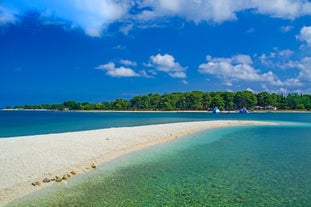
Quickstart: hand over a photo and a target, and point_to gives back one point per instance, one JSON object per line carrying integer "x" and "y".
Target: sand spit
{"x": 27, "y": 161}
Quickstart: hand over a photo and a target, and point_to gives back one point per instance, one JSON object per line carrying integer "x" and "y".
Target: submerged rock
{"x": 86, "y": 169}
{"x": 58, "y": 178}
{"x": 37, "y": 183}
{"x": 65, "y": 177}
{"x": 46, "y": 180}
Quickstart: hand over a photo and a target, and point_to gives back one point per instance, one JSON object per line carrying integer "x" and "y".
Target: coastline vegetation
{"x": 195, "y": 100}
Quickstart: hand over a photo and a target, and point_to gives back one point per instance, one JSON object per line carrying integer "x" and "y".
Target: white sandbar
{"x": 27, "y": 159}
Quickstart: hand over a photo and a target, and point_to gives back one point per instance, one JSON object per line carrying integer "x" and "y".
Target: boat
{"x": 243, "y": 111}
{"x": 216, "y": 110}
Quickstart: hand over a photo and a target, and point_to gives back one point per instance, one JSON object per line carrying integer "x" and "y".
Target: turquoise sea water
{"x": 232, "y": 166}
{"x": 20, "y": 123}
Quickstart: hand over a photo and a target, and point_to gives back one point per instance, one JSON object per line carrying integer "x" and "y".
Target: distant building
{"x": 259, "y": 108}
{"x": 269, "y": 108}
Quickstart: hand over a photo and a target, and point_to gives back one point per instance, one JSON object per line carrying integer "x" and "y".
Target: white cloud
{"x": 305, "y": 68}
{"x": 245, "y": 59}
{"x": 166, "y": 63}
{"x": 285, "y": 53}
{"x": 6, "y": 16}
{"x": 185, "y": 82}
{"x": 305, "y": 35}
{"x": 178, "y": 74}
{"x": 128, "y": 62}
{"x": 126, "y": 28}
{"x": 118, "y": 72}
{"x": 223, "y": 10}
{"x": 280, "y": 59}
{"x": 172, "y": 5}
{"x": 194, "y": 10}
{"x": 284, "y": 60}
{"x": 92, "y": 16}
{"x": 288, "y": 9}
{"x": 229, "y": 68}
{"x": 287, "y": 28}
{"x": 143, "y": 73}
{"x": 239, "y": 68}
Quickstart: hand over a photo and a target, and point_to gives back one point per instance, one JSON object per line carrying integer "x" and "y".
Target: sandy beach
{"x": 25, "y": 160}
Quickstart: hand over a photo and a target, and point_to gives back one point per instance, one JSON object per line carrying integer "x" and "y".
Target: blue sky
{"x": 99, "y": 50}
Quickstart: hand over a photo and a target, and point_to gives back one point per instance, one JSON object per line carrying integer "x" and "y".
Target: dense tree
{"x": 228, "y": 98}
{"x": 293, "y": 101}
{"x": 72, "y": 105}
{"x": 206, "y": 101}
{"x": 245, "y": 99}
{"x": 195, "y": 100}
{"x": 217, "y": 101}
{"x": 120, "y": 105}
{"x": 306, "y": 100}
{"x": 264, "y": 99}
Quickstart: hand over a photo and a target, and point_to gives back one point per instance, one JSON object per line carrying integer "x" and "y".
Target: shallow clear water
{"x": 239, "y": 166}
{"x": 20, "y": 123}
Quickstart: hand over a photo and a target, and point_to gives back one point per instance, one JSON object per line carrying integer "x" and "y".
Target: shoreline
{"x": 28, "y": 159}
{"x": 185, "y": 111}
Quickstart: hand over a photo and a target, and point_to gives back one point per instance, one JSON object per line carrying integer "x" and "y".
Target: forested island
{"x": 188, "y": 101}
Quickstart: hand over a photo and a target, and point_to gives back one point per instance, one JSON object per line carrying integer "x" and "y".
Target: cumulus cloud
{"x": 185, "y": 82}
{"x": 230, "y": 68}
{"x": 287, "y": 60}
{"x": 240, "y": 68}
{"x": 94, "y": 16}
{"x": 144, "y": 74}
{"x": 125, "y": 29}
{"x": 223, "y": 10}
{"x": 286, "y": 53}
{"x": 245, "y": 59}
{"x": 288, "y": 9}
{"x": 305, "y": 35}
{"x": 6, "y": 16}
{"x": 128, "y": 62}
{"x": 280, "y": 59}
{"x": 118, "y": 72}
{"x": 286, "y": 28}
{"x": 305, "y": 68}
{"x": 166, "y": 63}
{"x": 194, "y": 10}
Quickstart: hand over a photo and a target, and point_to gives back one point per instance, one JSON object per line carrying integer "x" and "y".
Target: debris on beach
{"x": 46, "y": 180}
{"x": 73, "y": 172}
{"x": 37, "y": 183}
{"x": 65, "y": 177}
{"x": 58, "y": 178}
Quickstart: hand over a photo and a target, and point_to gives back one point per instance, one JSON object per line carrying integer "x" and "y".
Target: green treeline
{"x": 195, "y": 100}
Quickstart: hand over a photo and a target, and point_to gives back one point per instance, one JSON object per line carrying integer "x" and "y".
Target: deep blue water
{"x": 20, "y": 123}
